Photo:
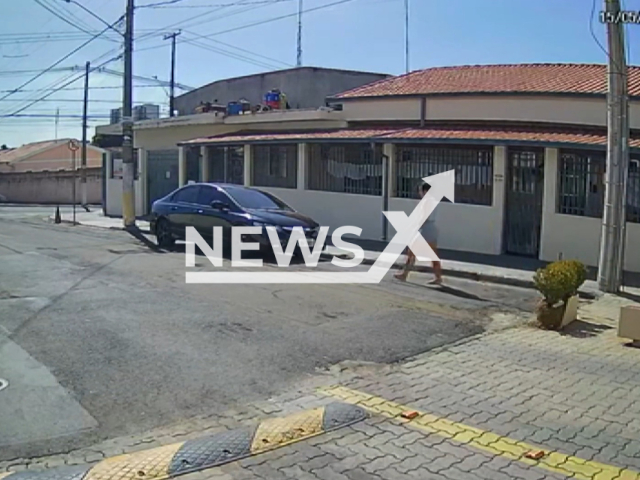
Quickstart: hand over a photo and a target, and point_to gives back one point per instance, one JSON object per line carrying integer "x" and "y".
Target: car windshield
{"x": 256, "y": 199}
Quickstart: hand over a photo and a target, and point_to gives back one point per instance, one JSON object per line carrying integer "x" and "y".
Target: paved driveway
{"x": 100, "y": 336}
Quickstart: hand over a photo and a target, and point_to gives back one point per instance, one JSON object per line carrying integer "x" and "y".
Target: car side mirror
{"x": 218, "y": 205}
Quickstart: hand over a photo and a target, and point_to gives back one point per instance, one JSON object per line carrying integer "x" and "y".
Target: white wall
{"x": 471, "y": 228}
{"x": 574, "y": 237}
{"x": 336, "y": 209}
{"x": 114, "y": 197}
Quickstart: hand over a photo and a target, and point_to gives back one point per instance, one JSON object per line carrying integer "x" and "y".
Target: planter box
{"x": 571, "y": 312}
{"x": 629, "y": 323}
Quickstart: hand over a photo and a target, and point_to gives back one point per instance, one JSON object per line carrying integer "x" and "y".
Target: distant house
{"x": 49, "y": 155}
{"x": 43, "y": 172}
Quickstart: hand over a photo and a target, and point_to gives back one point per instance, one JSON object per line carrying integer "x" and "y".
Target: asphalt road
{"x": 101, "y": 337}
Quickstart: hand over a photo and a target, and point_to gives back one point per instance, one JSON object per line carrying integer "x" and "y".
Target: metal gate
{"x": 525, "y": 190}
{"x": 163, "y": 167}
{"x": 226, "y": 165}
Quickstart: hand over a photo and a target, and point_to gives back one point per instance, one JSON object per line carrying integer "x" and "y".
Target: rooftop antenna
{"x": 406, "y": 34}
{"x": 299, "y": 62}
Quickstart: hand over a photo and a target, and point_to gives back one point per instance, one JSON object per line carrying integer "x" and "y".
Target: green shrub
{"x": 559, "y": 281}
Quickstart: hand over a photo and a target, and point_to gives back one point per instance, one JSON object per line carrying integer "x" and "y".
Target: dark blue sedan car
{"x": 207, "y": 205}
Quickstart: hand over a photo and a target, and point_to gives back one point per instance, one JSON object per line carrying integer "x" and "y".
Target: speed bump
{"x": 207, "y": 452}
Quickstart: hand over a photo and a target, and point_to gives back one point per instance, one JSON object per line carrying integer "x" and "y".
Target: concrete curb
{"x": 471, "y": 275}
{"x": 207, "y": 452}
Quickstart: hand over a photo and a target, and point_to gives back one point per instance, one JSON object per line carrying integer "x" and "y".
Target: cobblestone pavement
{"x": 576, "y": 393}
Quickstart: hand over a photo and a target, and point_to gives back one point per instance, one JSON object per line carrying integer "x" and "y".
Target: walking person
{"x": 430, "y": 233}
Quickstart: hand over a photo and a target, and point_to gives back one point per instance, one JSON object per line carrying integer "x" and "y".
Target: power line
{"x": 61, "y": 17}
{"x": 229, "y": 54}
{"x": 54, "y": 65}
{"x": 198, "y": 37}
{"x": 20, "y": 110}
{"x": 214, "y": 5}
{"x": 263, "y": 22}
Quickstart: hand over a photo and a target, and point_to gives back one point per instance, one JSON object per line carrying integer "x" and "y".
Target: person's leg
{"x": 411, "y": 259}
{"x": 437, "y": 266}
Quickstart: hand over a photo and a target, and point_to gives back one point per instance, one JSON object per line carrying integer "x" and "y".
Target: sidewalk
{"x": 96, "y": 218}
{"x": 501, "y": 269}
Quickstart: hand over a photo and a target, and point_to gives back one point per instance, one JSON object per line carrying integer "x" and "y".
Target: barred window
{"x": 581, "y": 184}
{"x": 226, "y": 165}
{"x": 345, "y": 168}
{"x": 633, "y": 191}
{"x": 473, "y": 166}
{"x": 275, "y": 166}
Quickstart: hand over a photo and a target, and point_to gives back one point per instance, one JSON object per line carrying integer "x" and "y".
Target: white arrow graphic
{"x": 407, "y": 228}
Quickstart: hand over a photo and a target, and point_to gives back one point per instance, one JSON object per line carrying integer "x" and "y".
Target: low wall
{"x": 454, "y": 221}
{"x": 114, "y": 198}
{"x": 50, "y": 187}
{"x": 572, "y": 237}
{"x": 335, "y": 210}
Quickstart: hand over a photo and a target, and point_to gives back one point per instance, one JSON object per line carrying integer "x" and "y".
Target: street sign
{"x": 74, "y": 145}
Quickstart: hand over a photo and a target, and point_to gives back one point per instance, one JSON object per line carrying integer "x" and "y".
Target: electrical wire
{"x": 230, "y": 55}
{"x": 263, "y": 22}
{"x": 275, "y": 60}
{"x": 20, "y": 110}
{"x": 257, "y": 2}
{"x": 61, "y": 17}
{"x": 68, "y": 55}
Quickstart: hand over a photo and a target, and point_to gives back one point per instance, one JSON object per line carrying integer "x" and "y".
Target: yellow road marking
{"x": 5, "y": 474}
{"x": 144, "y": 465}
{"x": 277, "y": 432}
{"x": 557, "y": 462}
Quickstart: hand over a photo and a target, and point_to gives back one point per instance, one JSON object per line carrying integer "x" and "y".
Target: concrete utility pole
{"x": 128, "y": 191}
{"x": 614, "y": 217}
{"x": 299, "y": 58}
{"x": 172, "y": 96}
{"x": 85, "y": 110}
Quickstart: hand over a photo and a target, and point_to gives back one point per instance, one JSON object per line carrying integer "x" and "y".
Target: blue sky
{"x": 357, "y": 34}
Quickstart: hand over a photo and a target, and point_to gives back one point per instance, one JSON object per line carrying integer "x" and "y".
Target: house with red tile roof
{"x": 527, "y": 142}
{"x": 46, "y": 156}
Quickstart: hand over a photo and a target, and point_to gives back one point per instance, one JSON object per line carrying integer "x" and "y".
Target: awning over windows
{"x": 476, "y": 135}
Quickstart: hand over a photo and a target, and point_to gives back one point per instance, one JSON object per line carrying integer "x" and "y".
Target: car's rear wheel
{"x": 164, "y": 237}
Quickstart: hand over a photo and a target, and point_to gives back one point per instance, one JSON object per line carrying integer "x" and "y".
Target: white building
{"x": 527, "y": 142}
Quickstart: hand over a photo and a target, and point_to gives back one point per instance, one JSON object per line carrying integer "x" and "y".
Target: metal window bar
{"x": 581, "y": 183}
{"x": 345, "y": 168}
{"x": 473, "y": 166}
{"x": 275, "y": 166}
{"x": 226, "y": 165}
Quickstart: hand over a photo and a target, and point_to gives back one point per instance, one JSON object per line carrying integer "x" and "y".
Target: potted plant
{"x": 558, "y": 283}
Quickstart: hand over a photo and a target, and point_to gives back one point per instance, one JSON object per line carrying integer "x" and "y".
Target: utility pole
{"x": 85, "y": 112}
{"x": 172, "y": 97}
{"x": 57, "y": 121}
{"x": 406, "y": 35}
{"x": 128, "y": 191}
{"x": 614, "y": 215}
{"x": 299, "y": 60}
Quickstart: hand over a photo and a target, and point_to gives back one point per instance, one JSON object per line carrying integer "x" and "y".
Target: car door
{"x": 207, "y": 217}
{"x": 183, "y": 209}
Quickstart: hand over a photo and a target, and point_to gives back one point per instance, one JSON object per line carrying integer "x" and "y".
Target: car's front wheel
{"x": 164, "y": 237}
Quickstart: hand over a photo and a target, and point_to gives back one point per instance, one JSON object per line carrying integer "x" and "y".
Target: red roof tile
{"x": 523, "y": 78}
{"x": 432, "y": 135}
